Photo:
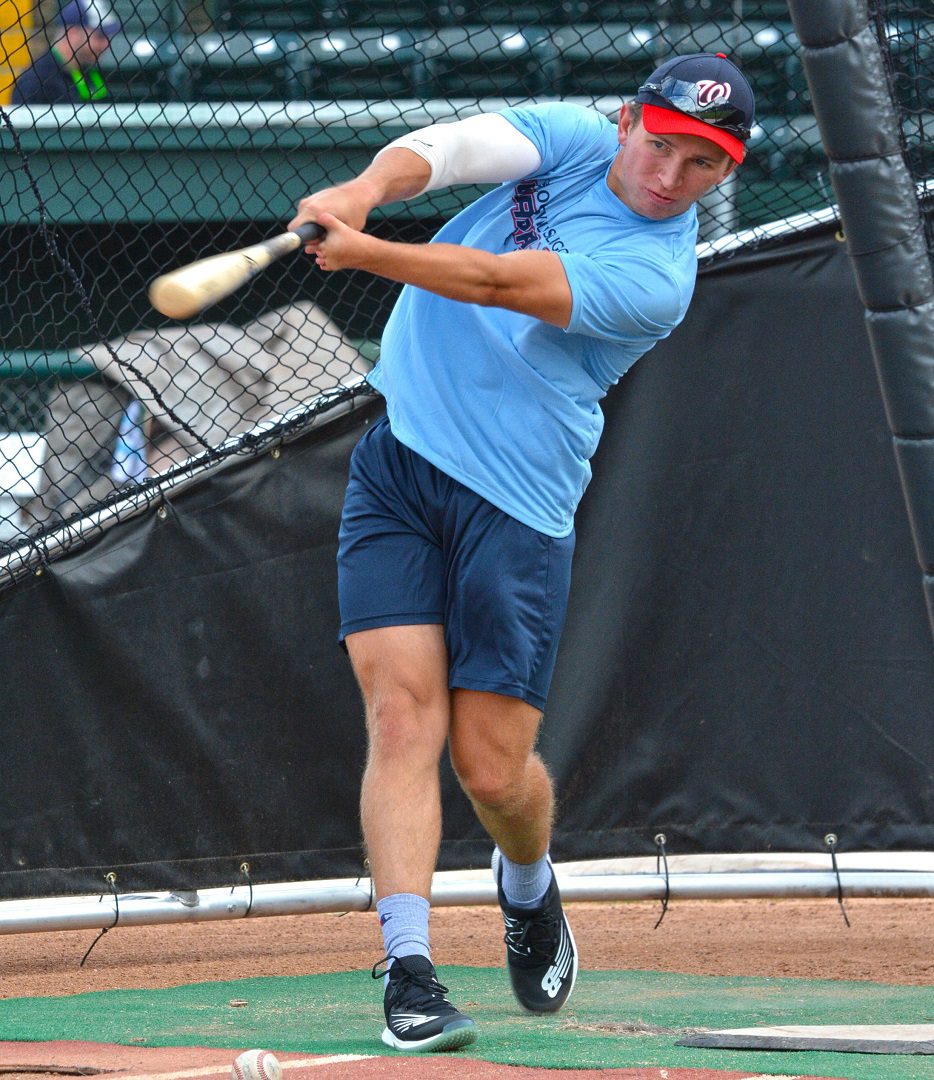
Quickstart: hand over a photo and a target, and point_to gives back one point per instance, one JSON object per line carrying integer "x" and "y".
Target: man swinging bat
{"x": 458, "y": 525}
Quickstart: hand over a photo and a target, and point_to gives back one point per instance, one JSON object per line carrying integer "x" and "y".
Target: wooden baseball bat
{"x": 184, "y": 292}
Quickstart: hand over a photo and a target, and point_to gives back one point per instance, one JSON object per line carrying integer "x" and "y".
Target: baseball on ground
{"x": 256, "y": 1065}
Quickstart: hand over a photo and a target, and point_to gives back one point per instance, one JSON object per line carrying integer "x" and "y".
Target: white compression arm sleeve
{"x": 482, "y": 149}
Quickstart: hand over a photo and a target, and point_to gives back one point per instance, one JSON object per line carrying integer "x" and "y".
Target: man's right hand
{"x": 350, "y": 203}
{"x": 395, "y": 174}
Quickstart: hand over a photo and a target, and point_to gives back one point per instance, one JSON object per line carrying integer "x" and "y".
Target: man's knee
{"x": 490, "y": 780}
{"x": 403, "y": 724}
{"x": 492, "y": 748}
{"x": 402, "y": 674}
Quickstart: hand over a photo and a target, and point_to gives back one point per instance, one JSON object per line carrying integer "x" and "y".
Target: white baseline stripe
{"x": 214, "y": 1070}
{"x": 310, "y": 1063}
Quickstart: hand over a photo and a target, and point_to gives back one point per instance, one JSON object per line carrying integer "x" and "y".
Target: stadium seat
{"x": 607, "y": 11}
{"x": 785, "y": 149}
{"x": 523, "y": 13}
{"x": 360, "y": 63}
{"x": 600, "y": 59}
{"x": 311, "y": 15}
{"x": 144, "y": 68}
{"x": 487, "y": 61}
{"x": 269, "y": 15}
{"x": 701, "y": 11}
{"x": 240, "y": 66}
{"x": 141, "y": 17}
{"x": 378, "y": 14}
{"x": 785, "y": 172}
{"x": 326, "y": 14}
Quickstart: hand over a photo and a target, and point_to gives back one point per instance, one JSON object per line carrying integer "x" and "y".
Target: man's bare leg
{"x": 402, "y": 672}
{"x": 492, "y": 744}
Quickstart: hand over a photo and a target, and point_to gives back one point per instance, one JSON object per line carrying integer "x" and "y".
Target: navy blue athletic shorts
{"x": 417, "y": 547}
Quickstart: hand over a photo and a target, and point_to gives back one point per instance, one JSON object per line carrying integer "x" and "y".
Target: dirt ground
{"x": 888, "y": 940}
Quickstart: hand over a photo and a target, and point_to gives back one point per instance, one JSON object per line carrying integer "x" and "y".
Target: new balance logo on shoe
{"x": 555, "y": 976}
{"x": 553, "y": 981}
{"x": 540, "y": 951}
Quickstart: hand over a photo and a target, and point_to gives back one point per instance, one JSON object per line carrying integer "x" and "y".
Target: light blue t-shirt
{"x": 508, "y": 404}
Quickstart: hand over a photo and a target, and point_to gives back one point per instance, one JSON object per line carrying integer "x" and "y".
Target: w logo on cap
{"x": 709, "y": 92}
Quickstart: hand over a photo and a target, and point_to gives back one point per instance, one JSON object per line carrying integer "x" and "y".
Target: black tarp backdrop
{"x": 746, "y": 666}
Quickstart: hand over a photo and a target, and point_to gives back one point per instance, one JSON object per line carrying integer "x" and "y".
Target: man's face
{"x": 661, "y": 176}
{"x": 87, "y": 46}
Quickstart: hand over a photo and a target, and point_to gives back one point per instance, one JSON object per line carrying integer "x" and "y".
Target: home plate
{"x": 843, "y": 1038}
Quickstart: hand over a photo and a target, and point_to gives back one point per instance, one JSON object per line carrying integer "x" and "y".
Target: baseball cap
{"x": 701, "y": 94}
{"x": 91, "y": 14}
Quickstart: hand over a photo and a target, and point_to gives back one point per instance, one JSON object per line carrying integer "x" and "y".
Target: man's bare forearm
{"x": 396, "y": 174}
{"x": 531, "y": 282}
{"x": 464, "y": 274}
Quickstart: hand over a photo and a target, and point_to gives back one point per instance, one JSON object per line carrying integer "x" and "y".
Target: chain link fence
{"x": 205, "y": 124}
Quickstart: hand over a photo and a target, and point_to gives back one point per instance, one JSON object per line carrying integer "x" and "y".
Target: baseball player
{"x": 458, "y": 525}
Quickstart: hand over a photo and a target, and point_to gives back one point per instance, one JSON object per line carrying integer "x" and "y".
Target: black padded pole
{"x": 844, "y": 61}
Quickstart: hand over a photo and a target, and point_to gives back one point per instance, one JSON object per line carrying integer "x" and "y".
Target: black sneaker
{"x": 540, "y": 950}
{"x": 418, "y": 1016}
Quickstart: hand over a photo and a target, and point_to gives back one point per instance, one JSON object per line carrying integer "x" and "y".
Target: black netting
{"x": 211, "y": 120}
{"x": 908, "y": 30}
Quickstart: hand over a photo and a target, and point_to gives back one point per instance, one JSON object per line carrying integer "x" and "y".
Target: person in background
{"x": 67, "y": 73}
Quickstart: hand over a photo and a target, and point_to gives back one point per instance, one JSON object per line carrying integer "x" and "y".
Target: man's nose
{"x": 669, "y": 174}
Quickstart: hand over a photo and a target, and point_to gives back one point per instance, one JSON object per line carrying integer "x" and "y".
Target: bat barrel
{"x": 188, "y": 290}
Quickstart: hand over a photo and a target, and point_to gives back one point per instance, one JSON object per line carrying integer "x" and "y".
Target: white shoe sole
{"x": 460, "y": 1034}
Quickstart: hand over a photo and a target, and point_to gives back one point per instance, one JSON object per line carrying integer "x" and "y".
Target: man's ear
{"x": 730, "y": 169}
{"x": 625, "y": 124}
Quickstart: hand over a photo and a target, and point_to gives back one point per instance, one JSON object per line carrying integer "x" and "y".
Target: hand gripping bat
{"x": 184, "y": 292}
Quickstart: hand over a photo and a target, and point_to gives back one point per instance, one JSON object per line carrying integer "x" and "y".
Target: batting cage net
{"x": 194, "y": 128}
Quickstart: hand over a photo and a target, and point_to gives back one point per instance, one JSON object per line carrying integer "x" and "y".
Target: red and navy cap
{"x": 701, "y": 94}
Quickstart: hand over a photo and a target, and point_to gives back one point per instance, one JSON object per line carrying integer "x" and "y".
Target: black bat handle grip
{"x": 311, "y": 230}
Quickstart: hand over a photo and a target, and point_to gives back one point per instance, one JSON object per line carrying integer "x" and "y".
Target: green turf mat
{"x": 614, "y": 1019}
